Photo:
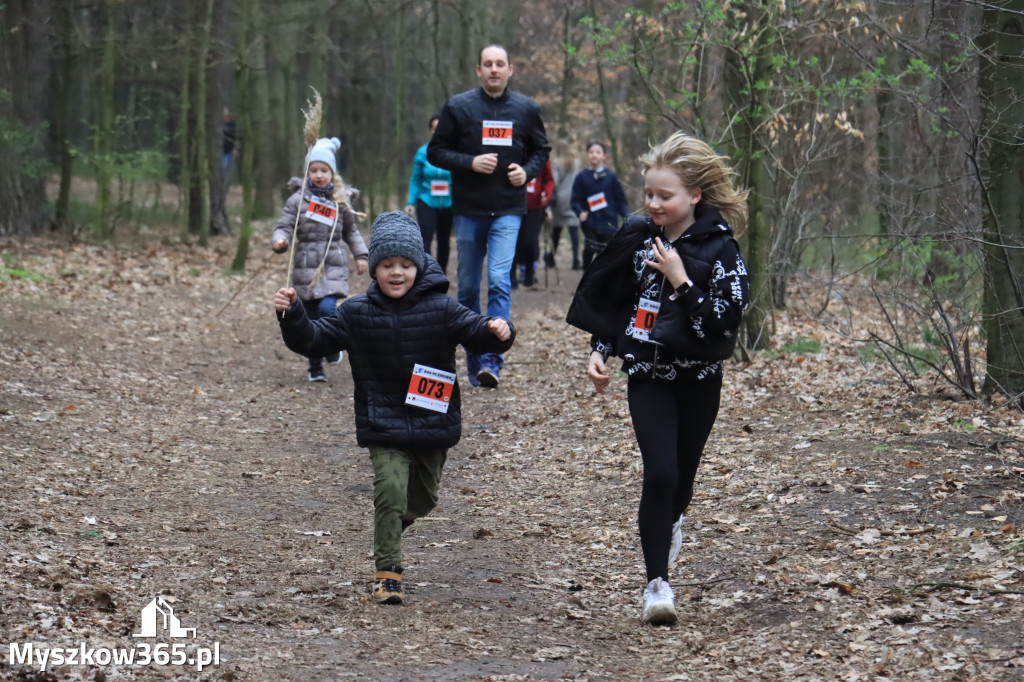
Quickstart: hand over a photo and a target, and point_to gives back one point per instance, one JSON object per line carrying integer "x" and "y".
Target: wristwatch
{"x": 683, "y": 288}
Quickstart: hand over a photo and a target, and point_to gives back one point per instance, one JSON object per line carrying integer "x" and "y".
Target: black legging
{"x": 528, "y": 242}
{"x": 672, "y": 421}
{"x": 435, "y": 221}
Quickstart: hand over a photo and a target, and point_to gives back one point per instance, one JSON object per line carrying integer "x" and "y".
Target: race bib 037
{"x": 498, "y": 133}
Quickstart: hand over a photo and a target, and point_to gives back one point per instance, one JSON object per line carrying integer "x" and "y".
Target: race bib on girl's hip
{"x": 597, "y": 201}
{"x": 531, "y": 186}
{"x": 497, "y": 133}
{"x": 439, "y": 188}
{"x": 430, "y": 388}
{"x": 646, "y": 314}
{"x": 321, "y": 211}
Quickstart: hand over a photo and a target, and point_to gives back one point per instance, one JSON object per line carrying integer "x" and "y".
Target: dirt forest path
{"x": 843, "y": 529}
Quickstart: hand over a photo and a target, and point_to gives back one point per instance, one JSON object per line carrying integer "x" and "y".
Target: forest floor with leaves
{"x": 843, "y": 528}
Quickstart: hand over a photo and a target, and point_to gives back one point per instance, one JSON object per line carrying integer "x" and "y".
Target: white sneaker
{"x": 677, "y": 540}
{"x": 659, "y": 603}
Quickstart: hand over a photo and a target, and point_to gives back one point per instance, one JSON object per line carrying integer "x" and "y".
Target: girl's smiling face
{"x": 320, "y": 174}
{"x": 395, "y": 275}
{"x": 669, "y": 202}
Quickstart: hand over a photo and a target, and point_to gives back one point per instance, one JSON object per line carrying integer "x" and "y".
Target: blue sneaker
{"x": 473, "y": 367}
{"x": 335, "y": 359}
{"x": 317, "y": 374}
{"x": 489, "y": 370}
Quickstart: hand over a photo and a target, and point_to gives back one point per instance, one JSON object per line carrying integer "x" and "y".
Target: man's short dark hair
{"x": 480, "y": 54}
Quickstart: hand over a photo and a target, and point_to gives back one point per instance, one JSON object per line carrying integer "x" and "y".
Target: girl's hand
{"x": 583, "y": 216}
{"x": 285, "y": 299}
{"x": 410, "y": 210}
{"x": 362, "y": 265}
{"x": 280, "y": 245}
{"x": 597, "y": 372}
{"x": 499, "y": 328}
{"x": 668, "y": 263}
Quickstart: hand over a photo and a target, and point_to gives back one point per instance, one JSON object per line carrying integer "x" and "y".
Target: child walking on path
{"x": 401, "y": 337}
{"x": 598, "y": 200}
{"x": 667, "y": 297}
{"x": 318, "y": 217}
{"x": 430, "y": 201}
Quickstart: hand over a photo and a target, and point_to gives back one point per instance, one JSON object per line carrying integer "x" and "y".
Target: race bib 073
{"x": 498, "y": 133}
{"x": 430, "y": 388}
{"x": 439, "y": 188}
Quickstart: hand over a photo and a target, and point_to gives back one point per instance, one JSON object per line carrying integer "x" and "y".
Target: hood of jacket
{"x": 431, "y": 280}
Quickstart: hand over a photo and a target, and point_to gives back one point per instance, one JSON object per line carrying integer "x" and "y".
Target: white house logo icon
{"x": 169, "y": 622}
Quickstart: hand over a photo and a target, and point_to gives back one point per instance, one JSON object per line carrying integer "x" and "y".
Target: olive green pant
{"x": 405, "y": 484}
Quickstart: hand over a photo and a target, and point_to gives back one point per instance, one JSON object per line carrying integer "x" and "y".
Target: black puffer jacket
{"x": 700, "y": 325}
{"x": 385, "y": 338}
{"x": 459, "y": 137}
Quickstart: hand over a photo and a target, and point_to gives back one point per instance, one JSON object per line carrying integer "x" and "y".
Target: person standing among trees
{"x": 430, "y": 201}
{"x": 564, "y": 167}
{"x": 229, "y": 136}
{"x": 598, "y": 200}
{"x": 492, "y": 140}
{"x": 538, "y": 196}
{"x": 317, "y": 216}
{"x": 667, "y": 296}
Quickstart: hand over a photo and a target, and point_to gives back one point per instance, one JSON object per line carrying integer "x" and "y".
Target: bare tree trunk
{"x": 250, "y": 46}
{"x": 103, "y": 151}
{"x": 1002, "y": 85}
{"x": 64, "y": 119}
{"x": 23, "y": 54}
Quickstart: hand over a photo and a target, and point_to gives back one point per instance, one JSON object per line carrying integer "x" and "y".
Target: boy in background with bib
{"x": 401, "y": 336}
{"x": 598, "y": 200}
{"x": 319, "y": 218}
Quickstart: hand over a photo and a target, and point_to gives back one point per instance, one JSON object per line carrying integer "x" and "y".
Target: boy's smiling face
{"x": 395, "y": 275}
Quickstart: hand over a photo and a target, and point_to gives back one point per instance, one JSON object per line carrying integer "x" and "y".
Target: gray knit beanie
{"x": 325, "y": 150}
{"x": 396, "y": 234}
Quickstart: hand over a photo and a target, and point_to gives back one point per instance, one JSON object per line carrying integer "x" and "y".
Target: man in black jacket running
{"x": 492, "y": 140}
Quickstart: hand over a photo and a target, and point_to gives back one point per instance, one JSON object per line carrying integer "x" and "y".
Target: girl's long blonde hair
{"x": 699, "y": 167}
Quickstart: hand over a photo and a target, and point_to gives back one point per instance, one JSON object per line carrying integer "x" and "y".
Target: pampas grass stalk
{"x": 313, "y": 115}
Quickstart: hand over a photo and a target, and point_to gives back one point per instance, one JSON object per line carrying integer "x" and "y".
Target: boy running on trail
{"x": 401, "y": 336}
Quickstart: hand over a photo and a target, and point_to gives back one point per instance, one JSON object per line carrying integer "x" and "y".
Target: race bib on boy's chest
{"x": 430, "y": 388}
{"x": 646, "y": 314}
{"x": 321, "y": 211}
{"x": 439, "y": 188}
{"x": 597, "y": 201}
{"x": 498, "y": 133}
{"x": 531, "y": 186}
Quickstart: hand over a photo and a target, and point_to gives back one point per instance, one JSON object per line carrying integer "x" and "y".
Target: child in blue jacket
{"x": 598, "y": 200}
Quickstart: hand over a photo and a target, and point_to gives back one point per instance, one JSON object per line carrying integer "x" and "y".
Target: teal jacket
{"x": 424, "y": 175}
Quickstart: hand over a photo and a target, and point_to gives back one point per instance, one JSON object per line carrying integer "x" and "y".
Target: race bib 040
{"x": 498, "y": 133}
{"x": 321, "y": 211}
{"x": 430, "y": 388}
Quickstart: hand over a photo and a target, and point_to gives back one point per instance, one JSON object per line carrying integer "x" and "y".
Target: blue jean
{"x": 493, "y": 238}
{"x": 315, "y": 309}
